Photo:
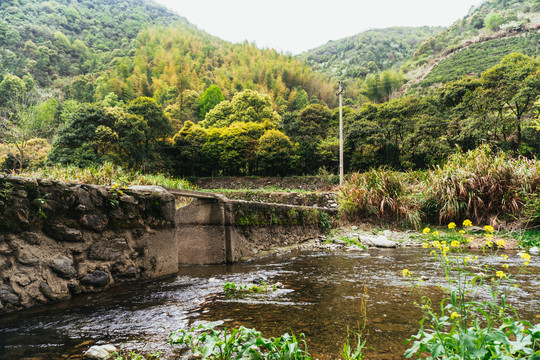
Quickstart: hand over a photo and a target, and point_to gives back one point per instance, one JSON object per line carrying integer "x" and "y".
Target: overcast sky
{"x": 298, "y": 25}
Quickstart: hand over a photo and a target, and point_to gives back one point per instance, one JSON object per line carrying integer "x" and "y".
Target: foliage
{"x": 382, "y": 194}
{"x": 232, "y": 289}
{"x": 106, "y": 174}
{"x": 210, "y": 343}
{"x": 466, "y": 325}
{"x": 483, "y": 185}
{"x": 52, "y": 39}
{"x": 245, "y": 106}
{"x": 274, "y": 153}
{"x": 135, "y": 356}
{"x": 209, "y": 99}
{"x": 381, "y": 86}
{"x": 181, "y": 57}
{"x": 478, "y": 58}
{"x": 368, "y": 52}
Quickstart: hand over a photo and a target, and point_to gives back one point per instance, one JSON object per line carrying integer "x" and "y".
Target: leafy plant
{"x": 232, "y": 289}
{"x": 207, "y": 342}
{"x": 135, "y": 356}
{"x": 41, "y": 201}
{"x": 465, "y": 325}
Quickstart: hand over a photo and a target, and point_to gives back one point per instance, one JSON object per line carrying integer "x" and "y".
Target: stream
{"x": 321, "y": 297}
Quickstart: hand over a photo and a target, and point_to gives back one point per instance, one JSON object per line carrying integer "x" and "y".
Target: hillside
{"x": 54, "y": 40}
{"x": 478, "y": 41}
{"x": 368, "y": 52}
{"x": 87, "y": 50}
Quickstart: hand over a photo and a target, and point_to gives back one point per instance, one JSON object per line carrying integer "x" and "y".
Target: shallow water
{"x": 321, "y": 297}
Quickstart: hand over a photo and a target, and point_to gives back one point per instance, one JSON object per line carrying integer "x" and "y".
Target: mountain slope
{"x": 368, "y": 52}
{"x": 477, "y": 41}
{"x": 55, "y": 39}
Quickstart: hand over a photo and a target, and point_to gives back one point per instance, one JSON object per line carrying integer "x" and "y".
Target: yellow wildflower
{"x": 525, "y": 256}
{"x": 462, "y": 232}
{"x": 454, "y": 315}
{"x": 505, "y": 266}
{"x": 406, "y": 272}
{"x": 489, "y": 236}
{"x": 489, "y": 243}
{"x": 504, "y": 256}
{"x": 489, "y": 228}
{"x": 500, "y": 274}
{"x": 501, "y": 243}
{"x": 467, "y": 223}
{"x": 455, "y": 243}
{"x": 436, "y": 233}
{"x": 120, "y": 192}
{"x": 452, "y": 225}
{"x": 426, "y": 230}
{"x": 425, "y": 245}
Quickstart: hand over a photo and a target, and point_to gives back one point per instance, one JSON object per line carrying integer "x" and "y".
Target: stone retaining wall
{"x": 327, "y": 200}
{"x": 59, "y": 239}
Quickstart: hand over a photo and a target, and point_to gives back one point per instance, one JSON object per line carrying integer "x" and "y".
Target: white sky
{"x": 298, "y": 25}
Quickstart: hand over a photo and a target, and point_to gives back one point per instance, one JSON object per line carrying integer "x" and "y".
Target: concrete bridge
{"x": 213, "y": 229}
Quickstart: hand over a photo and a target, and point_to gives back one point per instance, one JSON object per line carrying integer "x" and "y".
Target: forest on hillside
{"x": 177, "y": 100}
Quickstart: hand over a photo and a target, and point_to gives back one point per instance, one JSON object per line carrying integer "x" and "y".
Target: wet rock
{"x": 377, "y": 241}
{"x": 8, "y": 296}
{"x": 534, "y": 250}
{"x": 49, "y": 293}
{"x": 63, "y": 266}
{"x": 120, "y": 271}
{"x": 97, "y": 222}
{"x": 98, "y": 352}
{"x": 60, "y": 232}
{"x": 98, "y": 278}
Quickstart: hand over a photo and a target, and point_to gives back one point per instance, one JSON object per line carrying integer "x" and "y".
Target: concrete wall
{"x": 59, "y": 239}
{"x": 217, "y": 231}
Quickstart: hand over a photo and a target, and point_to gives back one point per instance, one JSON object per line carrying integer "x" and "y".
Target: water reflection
{"x": 321, "y": 297}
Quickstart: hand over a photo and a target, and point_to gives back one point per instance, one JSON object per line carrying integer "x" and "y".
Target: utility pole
{"x": 340, "y": 91}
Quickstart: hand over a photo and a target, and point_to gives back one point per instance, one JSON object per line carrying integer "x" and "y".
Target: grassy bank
{"x": 106, "y": 174}
{"x": 483, "y": 185}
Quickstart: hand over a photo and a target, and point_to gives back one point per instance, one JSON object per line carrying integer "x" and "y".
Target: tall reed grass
{"x": 483, "y": 185}
{"x": 106, "y": 174}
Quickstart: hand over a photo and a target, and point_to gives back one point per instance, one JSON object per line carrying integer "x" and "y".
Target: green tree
{"x": 493, "y": 21}
{"x": 209, "y": 99}
{"x": 11, "y": 87}
{"x": 274, "y": 153}
{"x": 514, "y": 85}
{"x": 245, "y": 106}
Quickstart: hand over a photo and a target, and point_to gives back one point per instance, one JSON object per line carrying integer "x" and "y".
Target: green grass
{"x": 106, "y": 174}
{"x": 528, "y": 238}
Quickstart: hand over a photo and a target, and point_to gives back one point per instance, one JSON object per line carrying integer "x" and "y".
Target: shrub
{"x": 484, "y": 185}
{"x": 380, "y": 193}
